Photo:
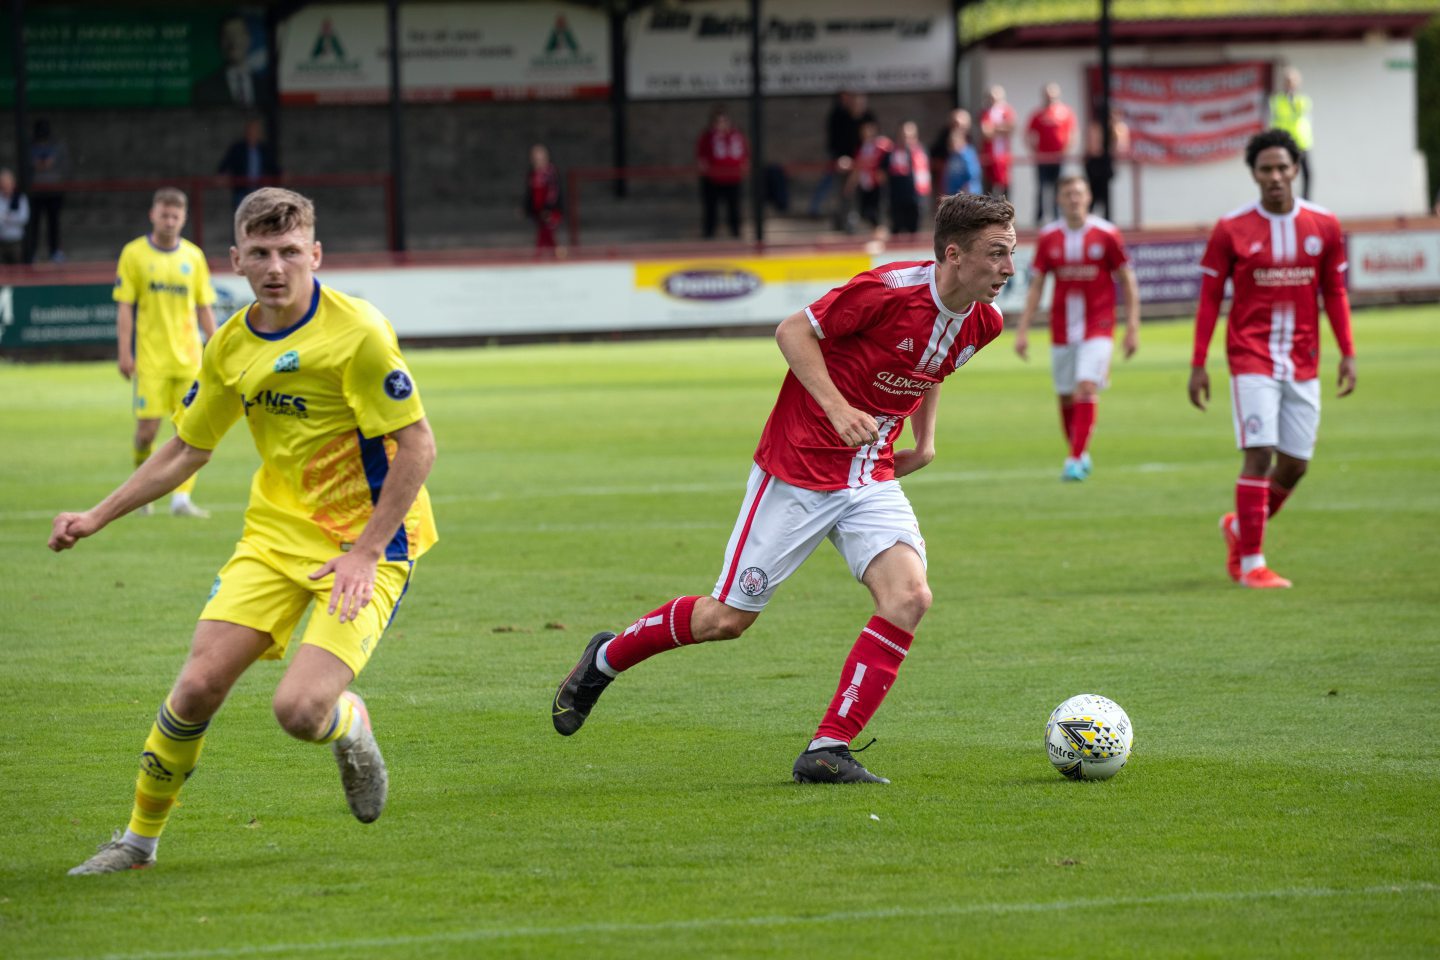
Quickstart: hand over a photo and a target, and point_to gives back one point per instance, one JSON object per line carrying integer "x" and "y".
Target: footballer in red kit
{"x": 1285, "y": 256}
{"x": 863, "y": 359}
{"x": 1086, "y": 255}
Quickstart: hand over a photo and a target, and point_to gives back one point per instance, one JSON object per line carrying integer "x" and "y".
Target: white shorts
{"x": 1087, "y": 360}
{"x": 780, "y": 525}
{"x": 1284, "y": 414}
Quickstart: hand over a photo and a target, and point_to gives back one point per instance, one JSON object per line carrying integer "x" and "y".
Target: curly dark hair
{"x": 1268, "y": 139}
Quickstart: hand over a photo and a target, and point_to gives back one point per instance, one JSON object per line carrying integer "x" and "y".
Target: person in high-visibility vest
{"x": 1290, "y": 111}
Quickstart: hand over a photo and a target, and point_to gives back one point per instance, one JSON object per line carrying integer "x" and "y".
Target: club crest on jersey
{"x": 1313, "y": 245}
{"x": 398, "y": 385}
{"x": 753, "y": 581}
{"x": 964, "y": 356}
{"x": 185, "y": 268}
{"x": 1095, "y": 251}
{"x": 189, "y": 397}
{"x": 287, "y": 362}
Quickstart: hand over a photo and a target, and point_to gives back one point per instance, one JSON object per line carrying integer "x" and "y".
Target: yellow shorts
{"x": 156, "y": 398}
{"x": 270, "y": 592}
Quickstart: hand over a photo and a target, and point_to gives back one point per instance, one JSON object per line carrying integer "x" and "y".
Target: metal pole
{"x": 1107, "y": 148}
{"x": 17, "y": 57}
{"x": 270, "y": 104}
{"x": 397, "y": 124}
{"x": 956, "y": 8}
{"x": 619, "y": 93}
{"x": 757, "y": 125}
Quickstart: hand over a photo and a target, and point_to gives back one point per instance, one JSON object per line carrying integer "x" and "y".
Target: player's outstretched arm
{"x": 801, "y": 349}
{"x": 922, "y": 426}
{"x": 172, "y": 465}
{"x": 354, "y": 570}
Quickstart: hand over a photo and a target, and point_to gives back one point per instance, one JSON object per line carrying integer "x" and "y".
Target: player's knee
{"x": 301, "y": 716}
{"x": 1086, "y": 390}
{"x": 197, "y": 696}
{"x": 907, "y": 606}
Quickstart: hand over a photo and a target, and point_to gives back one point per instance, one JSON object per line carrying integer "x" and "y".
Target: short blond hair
{"x": 270, "y": 211}
{"x": 170, "y": 197}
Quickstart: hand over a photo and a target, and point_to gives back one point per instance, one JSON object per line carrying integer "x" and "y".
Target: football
{"x": 1088, "y": 737}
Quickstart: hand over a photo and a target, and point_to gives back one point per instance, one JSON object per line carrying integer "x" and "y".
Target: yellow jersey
{"x": 165, "y": 286}
{"x": 319, "y": 398}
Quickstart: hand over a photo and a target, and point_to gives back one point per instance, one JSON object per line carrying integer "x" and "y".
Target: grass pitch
{"x": 1281, "y": 799}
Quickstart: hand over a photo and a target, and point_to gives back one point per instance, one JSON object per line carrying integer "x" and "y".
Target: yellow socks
{"x": 340, "y": 721}
{"x": 171, "y": 752}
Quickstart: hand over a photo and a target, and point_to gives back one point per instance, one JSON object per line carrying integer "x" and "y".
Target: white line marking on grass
{"x": 743, "y": 923}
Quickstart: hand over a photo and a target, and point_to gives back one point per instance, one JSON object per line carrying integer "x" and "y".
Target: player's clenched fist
{"x": 69, "y": 528}
{"x": 855, "y": 427}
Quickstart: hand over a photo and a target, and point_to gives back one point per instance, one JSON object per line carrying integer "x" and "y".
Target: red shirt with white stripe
{"x": 1083, "y": 262}
{"x": 887, "y": 340}
{"x": 1282, "y": 265}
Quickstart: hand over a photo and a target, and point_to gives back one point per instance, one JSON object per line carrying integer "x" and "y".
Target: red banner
{"x": 1187, "y": 114}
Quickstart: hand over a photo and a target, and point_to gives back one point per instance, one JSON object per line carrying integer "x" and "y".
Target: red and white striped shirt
{"x": 1281, "y": 264}
{"x": 1084, "y": 262}
{"x": 887, "y": 341}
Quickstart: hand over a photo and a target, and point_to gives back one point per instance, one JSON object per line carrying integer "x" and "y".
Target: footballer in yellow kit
{"x": 338, "y": 515}
{"x": 162, "y": 290}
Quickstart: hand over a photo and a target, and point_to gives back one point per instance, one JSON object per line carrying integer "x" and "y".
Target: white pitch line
{"x": 741, "y": 923}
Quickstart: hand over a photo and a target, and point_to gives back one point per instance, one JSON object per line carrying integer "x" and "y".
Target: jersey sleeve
{"x": 1116, "y": 256}
{"x": 204, "y": 289}
{"x": 850, "y": 308}
{"x": 1041, "y": 262}
{"x": 211, "y": 407}
{"x": 378, "y": 385}
{"x": 127, "y": 279}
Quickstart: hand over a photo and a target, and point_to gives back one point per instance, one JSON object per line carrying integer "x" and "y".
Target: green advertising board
{"x": 56, "y": 316}
{"x": 98, "y": 57}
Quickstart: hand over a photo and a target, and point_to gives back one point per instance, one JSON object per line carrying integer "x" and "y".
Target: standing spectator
{"x": 1048, "y": 134}
{"x": 14, "y": 215}
{"x": 997, "y": 122}
{"x": 848, "y": 141}
{"x": 954, "y": 159}
{"x": 1100, "y": 168}
{"x": 869, "y": 164}
{"x": 248, "y": 161}
{"x": 49, "y": 165}
{"x": 542, "y": 198}
{"x": 842, "y": 136}
{"x": 1290, "y": 111}
{"x": 908, "y": 170}
{"x": 723, "y": 157}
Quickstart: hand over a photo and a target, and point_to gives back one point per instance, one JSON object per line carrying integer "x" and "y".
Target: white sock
{"x": 145, "y": 845}
{"x": 178, "y": 499}
{"x": 602, "y": 664}
{"x": 1251, "y": 562}
{"x": 819, "y": 742}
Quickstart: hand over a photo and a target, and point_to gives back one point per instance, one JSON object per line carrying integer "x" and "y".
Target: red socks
{"x": 657, "y": 631}
{"x": 1251, "y": 505}
{"x": 1067, "y": 418}
{"x": 1278, "y": 496}
{"x": 1082, "y": 423}
{"x": 868, "y": 675}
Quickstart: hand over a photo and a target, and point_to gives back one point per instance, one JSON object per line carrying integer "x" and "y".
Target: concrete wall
{"x": 1365, "y": 162}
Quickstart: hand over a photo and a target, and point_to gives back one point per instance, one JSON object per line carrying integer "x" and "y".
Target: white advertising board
{"x": 1395, "y": 261}
{"x": 339, "y": 53}
{"x": 702, "y": 49}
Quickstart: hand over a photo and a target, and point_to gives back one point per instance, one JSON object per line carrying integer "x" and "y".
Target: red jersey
{"x": 887, "y": 340}
{"x": 722, "y": 155}
{"x": 1281, "y": 265}
{"x": 1083, "y": 262}
{"x": 1052, "y": 127}
{"x": 869, "y": 159}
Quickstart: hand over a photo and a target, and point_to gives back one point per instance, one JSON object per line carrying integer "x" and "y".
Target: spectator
{"x": 1099, "y": 168}
{"x": 908, "y": 171}
{"x": 1049, "y": 133}
{"x": 869, "y": 162}
{"x": 248, "y": 161}
{"x": 997, "y": 123}
{"x": 1290, "y": 111}
{"x": 847, "y": 144}
{"x": 14, "y": 215}
{"x": 723, "y": 158}
{"x": 955, "y": 160}
{"x": 842, "y": 136}
{"x": 49, "y": 165}
{"x": 542, "y": 198}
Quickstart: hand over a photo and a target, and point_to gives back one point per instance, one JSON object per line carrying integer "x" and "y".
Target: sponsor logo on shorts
{"x": 287, "y": 362}
{"x": 214, "y": 589}
{"x": 1253, "y": 424}
{"x": 190, "y": 394}
{"x": 753, "y": 581}
{"x": 1313, "y": 245}
{"x": 398, "y": 385}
